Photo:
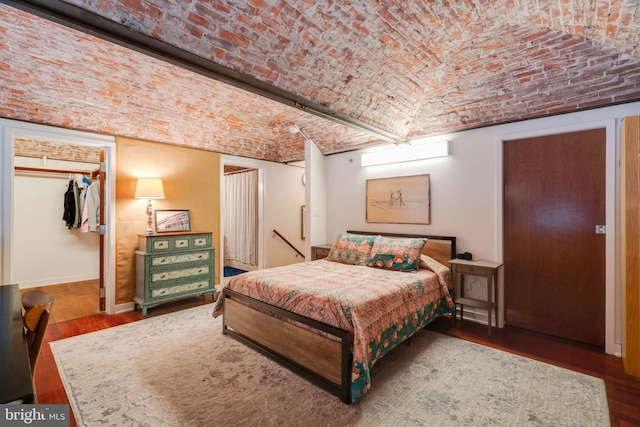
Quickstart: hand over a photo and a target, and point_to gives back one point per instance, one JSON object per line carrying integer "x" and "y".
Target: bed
{"x": 330, "y": 320}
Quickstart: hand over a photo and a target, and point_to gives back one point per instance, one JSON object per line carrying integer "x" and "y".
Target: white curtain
{"x": 241, "y": 217}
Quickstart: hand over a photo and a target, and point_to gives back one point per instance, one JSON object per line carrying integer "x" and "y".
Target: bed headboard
{"x": 440, "y": 248}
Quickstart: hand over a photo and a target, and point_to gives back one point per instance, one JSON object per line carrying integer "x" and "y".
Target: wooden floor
{"x": 72, "y": 300}
{"x": 623, "y": 392}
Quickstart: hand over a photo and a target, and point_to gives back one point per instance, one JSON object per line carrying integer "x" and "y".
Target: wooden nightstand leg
{"x": 461, "y": 295}
{"x": 495, "y": 297}
{"x": 489, "y": 299}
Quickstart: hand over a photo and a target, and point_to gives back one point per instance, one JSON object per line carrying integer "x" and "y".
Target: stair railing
{"x": 287, "y": 242}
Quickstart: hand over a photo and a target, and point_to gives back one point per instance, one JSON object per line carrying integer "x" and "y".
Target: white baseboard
{"x": 56, "y": 280}
{"x": 123, "y": 308}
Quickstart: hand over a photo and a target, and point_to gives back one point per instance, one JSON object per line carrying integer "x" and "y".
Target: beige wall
{"x": 191, "y": 181}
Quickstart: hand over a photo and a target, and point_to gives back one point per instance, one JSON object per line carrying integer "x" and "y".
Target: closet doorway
{"x": 242, "y": 213}
{"x": 50, "y": 178}
{"x": 42, "y": 249}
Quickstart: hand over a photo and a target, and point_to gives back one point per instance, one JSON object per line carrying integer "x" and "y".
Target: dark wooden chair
{"x": 37, "y": 308}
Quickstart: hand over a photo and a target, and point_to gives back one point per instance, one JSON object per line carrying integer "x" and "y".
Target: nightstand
{"x": 320, "y": 251}
{"x": 487, "y": 269}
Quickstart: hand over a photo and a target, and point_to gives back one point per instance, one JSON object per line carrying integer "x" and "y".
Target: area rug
{"x": 179, "y": 370}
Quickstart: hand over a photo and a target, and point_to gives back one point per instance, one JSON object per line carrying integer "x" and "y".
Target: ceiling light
{"x": 416, "y": 150}
{"x": 294, "y": 128}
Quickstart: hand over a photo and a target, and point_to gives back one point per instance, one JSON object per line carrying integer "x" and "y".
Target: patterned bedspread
{"x": 380, "y": 308}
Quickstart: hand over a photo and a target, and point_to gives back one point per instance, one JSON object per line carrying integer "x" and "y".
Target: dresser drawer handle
{"x": 163, "y": 276}
{"x": 200, "y": 256}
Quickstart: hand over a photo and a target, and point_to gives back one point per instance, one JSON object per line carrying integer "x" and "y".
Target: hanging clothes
{"x": 91, "y": 210}
{"x": 82, "y": 203}
{"x": 83, "y": 184}
{"x": 78, "y": 209}
{"x": 69, "y": 216}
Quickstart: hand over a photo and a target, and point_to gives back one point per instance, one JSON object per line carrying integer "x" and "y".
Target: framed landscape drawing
{"x": 400, "y": 200}
{"x": 167, "y": 221}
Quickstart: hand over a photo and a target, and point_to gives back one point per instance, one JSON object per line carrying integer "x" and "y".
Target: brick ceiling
{"x": 389, "y": 70}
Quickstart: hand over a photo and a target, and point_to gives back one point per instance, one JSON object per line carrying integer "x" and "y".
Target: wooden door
{"x": 554, "y": 261}
{"x": 630, "y": 243}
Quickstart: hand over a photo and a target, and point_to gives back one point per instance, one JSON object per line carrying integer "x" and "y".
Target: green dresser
{"x": 170, "y": 266}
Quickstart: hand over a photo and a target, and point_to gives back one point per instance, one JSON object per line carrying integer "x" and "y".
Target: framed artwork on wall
{"x": 399, "y": 200}
{"x": 176, "y": 220}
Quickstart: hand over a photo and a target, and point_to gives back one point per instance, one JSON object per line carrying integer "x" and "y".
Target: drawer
{"x": 201, "y": 241}
{"x": 161, "y": 276}
{"x": 472, "y": 269}
{"x": 322, "y": 252}
{"x": 183, "y": 288}
{"x": 158, "y": 260}
{"x": 169, "y": 243}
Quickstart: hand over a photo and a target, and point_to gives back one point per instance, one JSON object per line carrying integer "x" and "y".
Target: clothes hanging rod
{"x": 91, "y": 173}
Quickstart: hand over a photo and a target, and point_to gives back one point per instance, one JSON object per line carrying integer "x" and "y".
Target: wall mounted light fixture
{"x": 416, "y": 150}
{"x": 149, "y": 188}
{"x": 296, "y": 128}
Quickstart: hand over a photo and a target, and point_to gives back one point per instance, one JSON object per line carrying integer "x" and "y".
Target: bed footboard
{"x": 325, "y": 361}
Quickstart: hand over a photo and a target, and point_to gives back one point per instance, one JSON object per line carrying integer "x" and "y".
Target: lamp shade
{"x": 149, "y": 188}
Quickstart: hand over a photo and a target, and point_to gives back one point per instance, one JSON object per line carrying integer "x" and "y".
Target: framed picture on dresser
{"x": 173, "y": 220}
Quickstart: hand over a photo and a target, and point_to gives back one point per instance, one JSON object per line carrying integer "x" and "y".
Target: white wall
{"x": 466, "y": 191}
{"x": 315, "y": 196}
{"x": 462, "y": 194}
{"x": 284, "y": 197}
{"x": 45, "y": 251}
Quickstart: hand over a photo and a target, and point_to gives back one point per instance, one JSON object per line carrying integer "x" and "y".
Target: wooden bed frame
{"x": 324, "y": 361}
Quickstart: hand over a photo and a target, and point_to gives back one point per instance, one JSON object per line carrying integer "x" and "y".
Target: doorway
{"x": 10, "y": 251}
{"x": 240, "y": 234}
{"x": 554, "y": 252}
{"x": 53, "y": 185}
{"x": 242, "y": 260}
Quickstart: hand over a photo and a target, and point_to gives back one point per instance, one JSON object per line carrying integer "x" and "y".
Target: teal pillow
{"x": 400, "y": 254}
{"x": 351, "y": 249}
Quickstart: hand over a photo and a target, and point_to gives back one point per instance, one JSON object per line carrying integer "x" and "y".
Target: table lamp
{"x": 149, "y": 188}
